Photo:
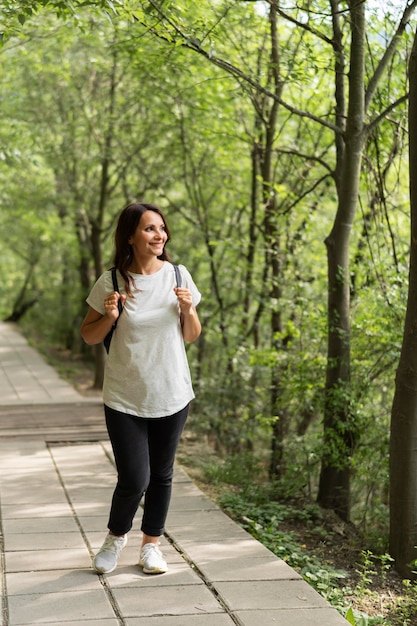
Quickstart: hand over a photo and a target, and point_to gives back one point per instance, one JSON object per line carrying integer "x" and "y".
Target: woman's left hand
{"x": 191, "y": 327}
{"x": 185, "y": 299}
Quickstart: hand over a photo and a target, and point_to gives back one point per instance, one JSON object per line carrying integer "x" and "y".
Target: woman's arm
{"x": 95, "y": 325}
{"x": 191, "y": 326}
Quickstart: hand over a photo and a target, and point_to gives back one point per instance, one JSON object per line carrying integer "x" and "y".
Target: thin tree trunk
{"x": 339, "y": 435}
{"x": 273, "y": 253}
{"x": 403, "y": 442}
{"x": 98, "y": 223}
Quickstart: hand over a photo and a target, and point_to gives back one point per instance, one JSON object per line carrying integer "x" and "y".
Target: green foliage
{"x": 266, "y": 519}
{"x": 281, "y": 520}
{"x": 98, "y": 109}
{"x": 406, "y": 611}
{"x": 355, "y": 620}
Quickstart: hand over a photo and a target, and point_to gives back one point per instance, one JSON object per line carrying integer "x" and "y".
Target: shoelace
{"x": 113, "y": 544}
{"x": 150, "y": 547}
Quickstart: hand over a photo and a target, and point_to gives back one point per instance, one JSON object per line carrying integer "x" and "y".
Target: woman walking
{"x": 147, "y": 384}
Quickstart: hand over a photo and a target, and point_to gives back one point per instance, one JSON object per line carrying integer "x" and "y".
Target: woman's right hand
{"x": 111, "y": 306}
{"x": 95, "y": 325}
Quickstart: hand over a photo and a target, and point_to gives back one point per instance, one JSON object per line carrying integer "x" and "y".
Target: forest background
{"x": 277, "y": 140}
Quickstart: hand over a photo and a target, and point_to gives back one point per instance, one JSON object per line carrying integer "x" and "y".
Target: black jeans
{"x": 144, "y": 451}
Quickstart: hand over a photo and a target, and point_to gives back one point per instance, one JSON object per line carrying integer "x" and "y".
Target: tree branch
{"x": 195, "y": 45}
{"x": 370, "y": 92}
{"x": 385, "y": 113}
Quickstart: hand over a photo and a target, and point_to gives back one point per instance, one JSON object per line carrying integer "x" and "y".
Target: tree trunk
{"x": 22, "y": 302}
{"x": 98, "y": 222}
{"x": 273, "y": 253}
{"x": 403, "y": 442}
{"x": 339, "y": 435}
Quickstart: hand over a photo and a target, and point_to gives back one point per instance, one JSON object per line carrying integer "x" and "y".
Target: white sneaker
{"x": 151, "y": 559}
{"x": 106, "y": 558}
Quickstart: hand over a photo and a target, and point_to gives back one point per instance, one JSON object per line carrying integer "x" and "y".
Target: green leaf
{"x": 350, "y": 617}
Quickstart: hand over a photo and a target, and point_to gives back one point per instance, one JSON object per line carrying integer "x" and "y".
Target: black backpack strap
{"x": 178, "y": 275}
{"x": 114, "y": 279}
{"x": 116, "y": 288}
{"x": 108, "y": 337}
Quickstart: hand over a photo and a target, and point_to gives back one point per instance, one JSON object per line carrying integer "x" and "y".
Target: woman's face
{"x": 150, "y": 236}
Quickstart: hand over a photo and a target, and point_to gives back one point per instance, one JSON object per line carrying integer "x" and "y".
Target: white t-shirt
{"x": 147, "y": 371}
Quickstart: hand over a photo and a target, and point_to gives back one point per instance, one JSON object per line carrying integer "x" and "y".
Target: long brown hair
{"x": 127, "y": 224}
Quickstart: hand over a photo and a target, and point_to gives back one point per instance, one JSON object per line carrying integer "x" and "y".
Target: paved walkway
{"x": 54, "y": 496}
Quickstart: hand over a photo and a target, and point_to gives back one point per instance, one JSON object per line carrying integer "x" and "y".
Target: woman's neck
{"x": 146, "y": 266}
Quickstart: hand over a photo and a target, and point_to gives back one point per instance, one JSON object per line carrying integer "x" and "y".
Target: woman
{"x": 147, "y": 385}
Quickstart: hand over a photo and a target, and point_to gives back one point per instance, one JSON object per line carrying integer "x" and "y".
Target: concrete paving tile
{"x": 82, "y": 622}
{"x": 107, "y": 446}
{"x": 301, "y": 617}
{"x": 7, "y": 391}
{"x": 39, "y": 497}
{"x": 39, "y": 395}
{"x": 90, "y": 480}
{"x": 52, "y": 581}
{"x": 35, "y": 511}
{"x": 214, "y": 619}
{"x": 78, "y": 484}
{"x": 180, "y": 473}
{"x": 95, "y": 528}
{"x": 32, "y": 493}
{"x": 80, "y": 457}
{"x": 86, "y": 468}
{"x": 43, "y": 541}
{"x": 186, "y": 489}
{"x": 94, "y": 523}
{"x": 58, "y": 608}
{"x": 200, "y": 534}
{"x": 176, "y": 600}
{"x": 86, "y": 450}
{"x": 178, "y": 574}
{"x": 212, "y": 525}
{"x": 27, "y": 460}
{"x": 181, "y": 517}
{"x": 191, "y": 503}
{"x": 269, "y": 594}
{"x": 206, "y": 552}
{"x": 92, "y": 509}
{"x": 248, "y": 569}
{"x": 91, "y": 494}
{"x": 34, "y": 560}
{"x": 39, "y": 525}
{"x": 89, "y": 452}
{"x": 11, "y": 448}
{"x": 21, "y": 466}
{"x": 45, "y": 475}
